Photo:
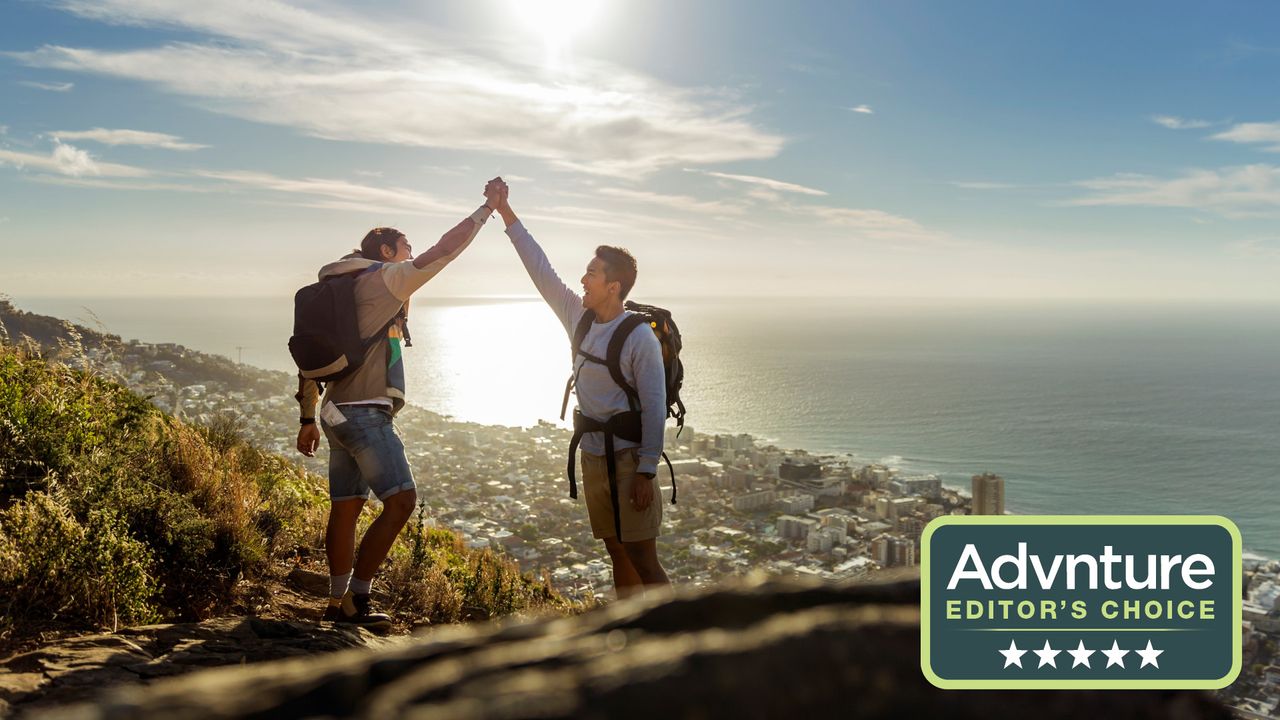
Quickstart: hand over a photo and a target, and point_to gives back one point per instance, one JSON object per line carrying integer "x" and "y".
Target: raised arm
{"x": 566, "y": 303}
{"x": 404, "y": 278}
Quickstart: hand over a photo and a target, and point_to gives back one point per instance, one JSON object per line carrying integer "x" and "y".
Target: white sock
{"x": 361, "y": 587}
{"x": 338, "y": 585}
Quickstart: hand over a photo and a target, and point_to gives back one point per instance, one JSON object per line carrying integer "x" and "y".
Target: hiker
{"x": 365, "y": 452}
{"x": 623, "y": 502}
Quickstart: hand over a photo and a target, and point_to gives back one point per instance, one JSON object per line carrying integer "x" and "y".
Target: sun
{"x": 556, "y": 22}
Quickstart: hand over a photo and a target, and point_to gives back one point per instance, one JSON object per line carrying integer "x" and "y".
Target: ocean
{"x": 1083, "y": 408}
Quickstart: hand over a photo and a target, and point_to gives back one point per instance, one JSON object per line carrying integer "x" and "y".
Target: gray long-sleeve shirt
{"x": 599, "y": 397}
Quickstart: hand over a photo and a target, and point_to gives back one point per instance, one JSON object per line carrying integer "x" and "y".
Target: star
{"x": 1081, "y": 655}
{"x": 1012, "y": 656}
{"x": 1115, "y": 656}
{"x": 1047, "y": 656}
{"x": 1149, "y": 656}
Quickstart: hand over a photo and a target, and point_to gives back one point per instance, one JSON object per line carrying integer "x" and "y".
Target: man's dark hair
{"x": 377, "y": 237}
{"x": 619, "y": 266}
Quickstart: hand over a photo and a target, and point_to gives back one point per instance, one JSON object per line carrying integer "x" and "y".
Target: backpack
{"x": 326, "y": 343}
{"x": 659, "y": 320}
{"x": 626, "y": 425}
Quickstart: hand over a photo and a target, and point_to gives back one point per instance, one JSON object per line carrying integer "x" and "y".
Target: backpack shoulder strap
{"x": 580, "y": 333}
{"x": 614, "y": 359}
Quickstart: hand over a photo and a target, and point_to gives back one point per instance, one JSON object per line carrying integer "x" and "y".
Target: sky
{"x": 907, "y": 149}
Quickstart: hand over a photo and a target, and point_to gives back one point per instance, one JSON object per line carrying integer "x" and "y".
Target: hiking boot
{"x": 357, "y": 610}
{"x": 333, "y": 611}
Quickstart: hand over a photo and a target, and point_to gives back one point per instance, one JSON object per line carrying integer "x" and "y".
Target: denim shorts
{"x": 365, "y": 452}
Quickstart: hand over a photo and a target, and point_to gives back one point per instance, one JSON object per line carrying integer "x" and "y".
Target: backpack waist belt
{"x": 625, "y": 425}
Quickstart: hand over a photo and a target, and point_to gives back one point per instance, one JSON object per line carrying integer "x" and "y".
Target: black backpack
{"x": 626, "y": 425}
{"x": 326, "y": 343}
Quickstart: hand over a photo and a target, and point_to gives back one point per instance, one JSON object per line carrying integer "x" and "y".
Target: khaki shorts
{"x": 636, "y": 524}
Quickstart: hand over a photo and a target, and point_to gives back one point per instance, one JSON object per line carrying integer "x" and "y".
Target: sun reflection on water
{"x": 498, "y": 363}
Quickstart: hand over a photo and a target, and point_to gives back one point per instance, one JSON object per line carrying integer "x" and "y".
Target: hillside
{"x": 113, "y": 513}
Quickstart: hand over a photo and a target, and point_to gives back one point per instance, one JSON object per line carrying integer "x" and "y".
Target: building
{"x": 797, "y": 504}
{"x": 796, "y": 470}
{"x": 795, "y": 528}
{"x": 988, "y": 494}
{"x": 754, "y": 502}
{"x": 893, "y": 551}
{"x": 925, "y": 486}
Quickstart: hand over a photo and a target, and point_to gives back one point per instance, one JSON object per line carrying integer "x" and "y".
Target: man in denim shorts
{"x": 365, "y": 451}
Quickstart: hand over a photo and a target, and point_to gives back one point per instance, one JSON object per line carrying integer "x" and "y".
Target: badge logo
{"x": 1080, "y": 601}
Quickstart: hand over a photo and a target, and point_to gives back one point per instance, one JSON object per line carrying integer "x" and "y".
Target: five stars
{"x": 1080, "y": 656}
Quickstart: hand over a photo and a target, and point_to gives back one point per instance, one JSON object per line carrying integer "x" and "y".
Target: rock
{"x": 312, "y": 583}
{"x": 80, "y": 668}
{"x": 766, "y": 649}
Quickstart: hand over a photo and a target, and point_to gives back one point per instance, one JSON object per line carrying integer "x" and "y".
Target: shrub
{"x": 54, "y": 567}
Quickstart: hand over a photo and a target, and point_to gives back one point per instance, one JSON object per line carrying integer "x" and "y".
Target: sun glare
{"x": 556, "y": 22}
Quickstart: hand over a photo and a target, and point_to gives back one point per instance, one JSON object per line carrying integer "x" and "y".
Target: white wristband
{"x": 481, "y": 215}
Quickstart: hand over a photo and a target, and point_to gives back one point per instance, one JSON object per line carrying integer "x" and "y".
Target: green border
{"x": 1236, "y": 585}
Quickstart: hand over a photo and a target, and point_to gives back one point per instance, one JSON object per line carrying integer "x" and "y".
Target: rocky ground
{"x": 284, "y": 625}
{"x": 765, "y": 649}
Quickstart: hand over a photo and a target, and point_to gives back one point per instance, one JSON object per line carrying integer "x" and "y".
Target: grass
{"x": 113, "y": 513}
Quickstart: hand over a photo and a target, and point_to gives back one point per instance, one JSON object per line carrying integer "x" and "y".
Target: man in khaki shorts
{"x": 624, "y": 424}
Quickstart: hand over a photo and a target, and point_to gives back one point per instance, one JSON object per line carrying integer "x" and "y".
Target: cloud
{"x": 862, "y": 109}
{"x": 51, "y": 87}
{"x": 127, "y": 137}
{"x": 676, "y": 202}
{"x": 70, "y": 161}
{"x": 1233, "y": 191}
{"x": 777, "y": 185}
{"x": 877, "y": 225}
{"x": 617, "y": 221}
{"x": 337, "y": 194}
{"x": 1176, "y": 123}
{"x": 344, "y": 78}
{"x": 1267, "y": 134}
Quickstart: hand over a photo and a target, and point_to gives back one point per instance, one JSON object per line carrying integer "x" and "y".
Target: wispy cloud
{"x": 1176, "y": 123}
{"x": 328, "y": 73}
{"x": 617, "y": 221}
{"x": 70, "y": 161}
{"x": 862, "y": 109}
{"x": 127, "y": 137}
{"x": 1234, "y": 191}
{"x": 1255, "y": 133}
{"x": 336, "y": 194}
{"x": 769, "y": 183}
{"x": 51, "y": 87}
{"x": 878, "y": 225}
{"x": 674, "y": 202}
